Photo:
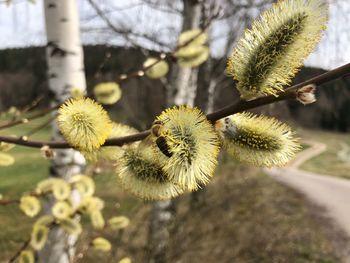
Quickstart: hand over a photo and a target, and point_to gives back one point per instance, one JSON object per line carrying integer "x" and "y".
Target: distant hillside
{"x": 23, "y": 78}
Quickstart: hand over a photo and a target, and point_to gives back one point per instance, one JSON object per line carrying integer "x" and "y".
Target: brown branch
{"x": 17, "y": 201}
{"x": 9, "y": 202}
{"x": 25, "y": 120}
{"x": 25, "y": 245}
{"x": 16, "y": 255}
{"x": 161, "y": 57}
{"x": 81, "y": 254}
{"x": 41, "y": 126}
{"x": 238, "y": 106}
{"x": 33, "y": 104}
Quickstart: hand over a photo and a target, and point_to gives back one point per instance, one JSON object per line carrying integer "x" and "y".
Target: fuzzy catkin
{"x": 273, "y": 50}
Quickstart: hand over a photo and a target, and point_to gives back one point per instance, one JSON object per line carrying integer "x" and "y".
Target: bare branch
{"x": 25, "y": 120}
{"x": 240, "y": 105}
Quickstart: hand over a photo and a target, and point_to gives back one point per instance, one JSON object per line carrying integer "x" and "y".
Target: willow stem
{"x": 238, "y": 106}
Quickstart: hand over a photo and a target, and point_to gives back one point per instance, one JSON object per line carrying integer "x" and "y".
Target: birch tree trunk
{"x": 185, "y": 85}
{"x": 186, "y": 78}
{"x": 64, "y": 55}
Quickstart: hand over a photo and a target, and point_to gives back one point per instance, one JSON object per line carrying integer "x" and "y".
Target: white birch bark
{"x": 185, "y": 84}
{"x": 64, "y": 55}
{"x": 186, "y": 78}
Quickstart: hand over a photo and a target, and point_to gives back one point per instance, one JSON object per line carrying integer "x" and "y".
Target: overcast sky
{"x": 22, "y": 24}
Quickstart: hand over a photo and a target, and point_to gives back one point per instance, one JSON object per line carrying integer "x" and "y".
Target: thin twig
{"x": 17, "y": 201}
{"x": 238, "y": 106}
{"x": 9, "y": 202}
{"x": 161, "y": 57}
{"x": 25, "y": 245}
{"x": 81, "y": 254}
{"x": 41, "y": 126}
{"x": 33, "y": 104}
{"x": 25, "y": 120}
{"x": 17, "y": 254}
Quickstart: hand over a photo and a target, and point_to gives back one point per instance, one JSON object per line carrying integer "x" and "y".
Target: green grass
{"x": 29, "y": 168}
{"x": 328, "y": 162}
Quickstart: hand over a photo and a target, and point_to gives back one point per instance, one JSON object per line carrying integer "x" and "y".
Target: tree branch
{"x": 238, "y": 106}
{"x": 25, "y": 120}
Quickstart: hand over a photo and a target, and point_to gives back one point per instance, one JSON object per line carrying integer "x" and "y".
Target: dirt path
{"x": 315, "y": 149}
{"x": 329, "y": 192}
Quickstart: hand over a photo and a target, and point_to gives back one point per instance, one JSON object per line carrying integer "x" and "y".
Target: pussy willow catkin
{"x": 192, "y": 143}
{"x": 257, "y": 140}
{"x": 140, "y": 173}
{"x": 273, "y": 50}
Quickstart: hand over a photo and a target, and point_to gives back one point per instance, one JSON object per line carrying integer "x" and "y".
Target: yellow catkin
{"x": 97, "y": 219}
{"x": 90, "y": 204}
{"x": 158, "y": 70}
{"x": 71, "y": 226}
{"x": 139, "y": 173}
{"x": 118, "y": 222}
{"x": 39, "y": 236}
{"x": 125, "y": 260}
{"x": 4, "y": 146}
{"x": 84, "y": 124}
{"x": 191, "y": 51}
{"x": 62, "y": 210}
{"x": 60, "y": 189}
{"x": 30, "y": 205}
{"x": 84, "y": 184}
{"x": 202, "y": 54}
{"x": 102, "y": 244}
{"x": 107, "y": 93}
{"x": 273, "y": 50}
{"x": 257, "y": 140}
{"x": 192, "y": 143}
{"x": 44, "y": 220}
{"x": 196, "y": 37}
{"x": 26, "y": 256}
{"x": 76, "y": 93}
{"x": 6, "y": 159}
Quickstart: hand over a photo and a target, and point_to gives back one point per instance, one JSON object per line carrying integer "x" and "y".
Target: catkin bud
{"x": 118, "y": 222}
{"x": 30, "y": 205}
{"x": 102, "y": 244}
{"x": 26, "y": 256}
{"x": 39, "y": 236}
{"x": 71, "y": 226}
{"x": 47, "y": 152}
{"x": 6, "y": 159}
{"x": 306, "y": 94}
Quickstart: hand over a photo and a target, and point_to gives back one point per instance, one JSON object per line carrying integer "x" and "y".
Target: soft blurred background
{"x": 243, "y": 215}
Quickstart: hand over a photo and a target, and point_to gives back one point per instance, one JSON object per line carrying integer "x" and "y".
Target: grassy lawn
{"x": 335, "y": 160}
{"x": 29, "y": 168}
{"x": 247, "y": 217}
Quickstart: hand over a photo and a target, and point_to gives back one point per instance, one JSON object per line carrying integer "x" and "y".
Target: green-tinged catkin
{"x": 257, "y": 140}
{"x": 84, "y": 124}
{"x": 192, "y": 146}
{"x": 39, "y": 236}
{"x": 140, "y": 173}
{"x": 273, "y": 50}
{"x": 30, "y": 205}
{"x": 107, "y": 93}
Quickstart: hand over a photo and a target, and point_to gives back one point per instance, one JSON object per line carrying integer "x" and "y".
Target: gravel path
{"x": 328, "y": 192}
